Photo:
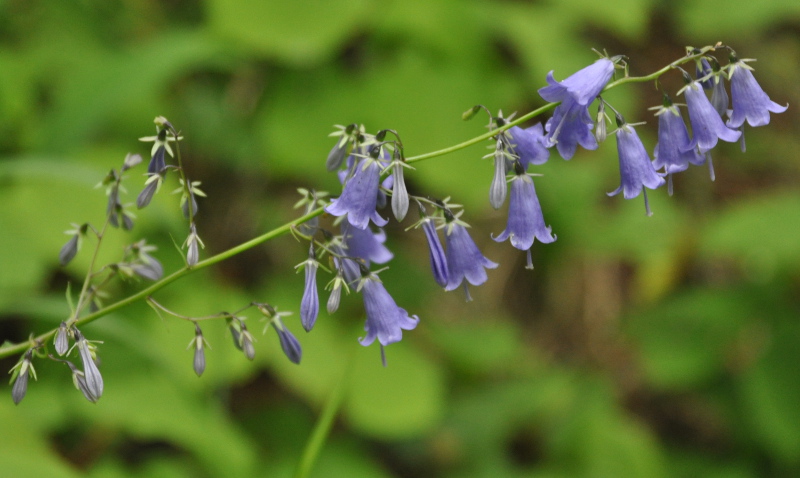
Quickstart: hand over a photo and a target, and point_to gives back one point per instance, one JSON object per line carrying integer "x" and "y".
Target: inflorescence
{"x": 371, "y": 169}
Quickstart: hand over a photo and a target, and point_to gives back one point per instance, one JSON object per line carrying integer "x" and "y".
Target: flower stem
{"x": 323, "y": 427}
{"x": 9, "y": 350}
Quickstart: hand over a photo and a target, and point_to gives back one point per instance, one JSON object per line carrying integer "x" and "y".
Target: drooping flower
{"x": 719, "y": 97}
{"x": 707, "y": 125}
{"x": 360, "y": 195}
{"x": 570, "y": 126}
{"x": 289, "y": 343}
{"x": 528, "y": 145}
{"x": 525, "y": 219}
{"x": 582, "y": 86}
{"x": 635, "y": 169}
{"x": 86, "y": 350}
{"x": 464, "y": 259}
{"x": 703, "y": 70}
{"x": 749, "y": 100}
{"x": 571, "y": 123}
{"x": 437, "y": 256}
{"x": 366, "y": 245}
{"x": 385, "y": 320}
{"x": 672, "y": 137}
{"x": 309, "y": 305}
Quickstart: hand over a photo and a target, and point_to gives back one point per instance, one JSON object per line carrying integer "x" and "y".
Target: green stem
{"x": 322, "y": 428}
{"x": 9, "y": 350}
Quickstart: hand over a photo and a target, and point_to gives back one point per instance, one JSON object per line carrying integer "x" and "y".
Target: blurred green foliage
{"x": 638, "y": 347}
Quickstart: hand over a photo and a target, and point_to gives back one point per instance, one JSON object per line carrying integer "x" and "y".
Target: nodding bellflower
{"x": 571, "y": 123}
{"x": 366, "y": 245}
{"x": 360, "y": 195}
{"x": 749, "y": 100}
{"x": 309, "y": 306}
{"x": 464, "y": 259}
{"x": 437, "y": 256}
{"x": 525, "y": 219}
{"x": 635, "y": 169}
{"x": 707, "y": 125}
{"x": 289, "y": 343}
{"x": 672, "y": 137}
{"x": 528, "y": 145}
{"x": 385, "y": 320}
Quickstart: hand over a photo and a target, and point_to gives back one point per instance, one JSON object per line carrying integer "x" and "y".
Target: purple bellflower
{"x": 672, "y": 137}
{"x": 571, "y": 123}
{"x": 749, "y": 100}
{"x": 437, "y": 256}
{"x": 635, "y": 169}
{"x": 309, "y": 305}
{"x": 525, "y": 219}
{"x": 464, "y": 259}
{"x": 707, "y": 125}
{"x": 360, "y": 195}
{"x": 702, "y": 70}
{"x": 366, "y": 245}
{"x": 385, "y": 320}
{"x": 289, "y": 343}
{"x": 528, "y": 145}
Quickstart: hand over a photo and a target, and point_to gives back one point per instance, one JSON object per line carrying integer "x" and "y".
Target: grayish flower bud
{"x": 497, "y": 192}
{"x": 600, "y": 124}
{"x": 20, "y": 387}
{"x": 336, "y": 156}
{"x": 150, "y": 188}
{"x": 69, "y": 250}
{"x": 131, "y": 160}
{"x": 61, "y": 341}
{"x": 399, "y": 192}
{"x": 198, "y": 342}
{"x": 79, "y": 380}
{"x": 336, "y": 295}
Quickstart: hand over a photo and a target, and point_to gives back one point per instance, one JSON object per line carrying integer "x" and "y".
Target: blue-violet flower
{"x": 749, "y": 100}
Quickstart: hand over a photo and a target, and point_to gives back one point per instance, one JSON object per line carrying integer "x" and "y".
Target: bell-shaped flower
{"x": 528, "y": 145}
{"x": 571, "y": 123}
{"x": 570, "y": 126}
{"x": 360, "y": 196}
{"x": 749, "y": 100}
{"x": 385, "y": 320}
{"x": 366, "y": 245}
{"x": 464, "y": 259}
{"x": 719, "y": 97}
{"x": 437, "y": 256}
{"x": 672, "y": 137}
{"x": 702, "y": 73}
{"x": 309, "y": 305}
{"x": 582, "y": 86}
{"x": 289, "y": 343}
{"x": 707, "y": 125}
{"x": 525, "y": 219}
{"x": 635, "y": 169}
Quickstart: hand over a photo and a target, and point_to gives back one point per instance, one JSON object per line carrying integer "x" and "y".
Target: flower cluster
{"x": 371, "y": 169}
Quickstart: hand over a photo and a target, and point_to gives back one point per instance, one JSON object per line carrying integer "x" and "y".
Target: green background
{"x": 638, "y": 347}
